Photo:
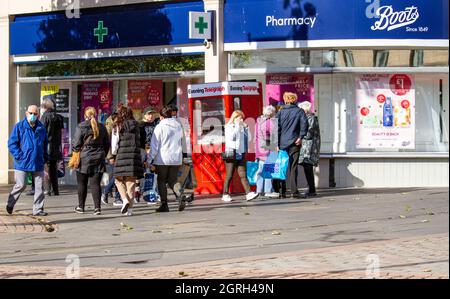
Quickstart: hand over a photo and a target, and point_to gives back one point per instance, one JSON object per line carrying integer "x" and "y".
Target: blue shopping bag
{"x": 252, "y": 172}
{"x": 276, "y": 166}
{"x": 150, "y": 193}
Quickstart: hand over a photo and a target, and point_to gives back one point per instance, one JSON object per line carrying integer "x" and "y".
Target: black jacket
{"x": 92, "y": 158}
{"x": 146, "y": 132}
{"x": 128, "y": 158}
{"x": 292, "y": 124}
{"x": 53, "y": 123}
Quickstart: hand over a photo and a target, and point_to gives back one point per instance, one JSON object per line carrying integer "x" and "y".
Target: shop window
{"x": 416, "y": 58}
{"x": 380, "y": 58}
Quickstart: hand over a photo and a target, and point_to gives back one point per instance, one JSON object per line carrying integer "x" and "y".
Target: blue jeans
{"x": 263, "y": 185}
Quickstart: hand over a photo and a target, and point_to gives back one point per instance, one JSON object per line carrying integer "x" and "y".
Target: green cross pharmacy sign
{"x": 100, "y": 32}
{"x": 200, "y": 25}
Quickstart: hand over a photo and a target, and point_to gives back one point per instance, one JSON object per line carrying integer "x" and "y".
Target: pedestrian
{"x": 28, "y": 145}
{"x": 266, "y": 143}
{"x": 91, "y": 143}
{"x": 128, "y": 165}
{"x": 166, "y": 155}
{"x": 111, "y": 187}
{"x": 236, "y": 147}
{"x": 54, "y": 124}
{"x": 147, "y": 127}
{"x": 310, "y": 150}
{"x": 292, "y": 128}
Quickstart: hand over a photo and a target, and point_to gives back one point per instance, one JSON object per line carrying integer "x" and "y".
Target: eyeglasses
{"x": 34, "y": 113}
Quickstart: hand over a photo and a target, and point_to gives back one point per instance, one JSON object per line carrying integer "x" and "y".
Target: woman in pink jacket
{"x": 266, "y": 142}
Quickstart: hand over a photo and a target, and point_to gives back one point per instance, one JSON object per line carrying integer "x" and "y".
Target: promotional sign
{"x": 59, "y": 93}
{"x": 385, "y": 111}
{"x": 278, "y": 84}
{"x": 223, "y": 88}
{"x": 145, "y": 93}
{"x": 124, "y": 26}
{"x": 99, "y": 96}
{"x": 349, "y": 21}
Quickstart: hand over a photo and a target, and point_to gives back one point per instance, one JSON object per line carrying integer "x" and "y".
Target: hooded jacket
{"x": 28, "y": 146}
{"x": 54, "y": 124}
{"x": 167, "y": 143}
{"x": 128, "y": 158}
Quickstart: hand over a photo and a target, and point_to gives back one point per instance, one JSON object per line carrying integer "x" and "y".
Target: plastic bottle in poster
{"x": 388, "y": 113}
{"x": 402, "y": 114}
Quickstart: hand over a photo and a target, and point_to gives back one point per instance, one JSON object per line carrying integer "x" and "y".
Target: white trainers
{"x": 272, "y": 195}
{"x": 251, "y": 196}
{"x": 128, "y": 213}
{"x": 227, "y": 198}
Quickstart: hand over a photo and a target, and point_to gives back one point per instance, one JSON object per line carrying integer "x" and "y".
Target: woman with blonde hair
{"x": 236, "y": 146}
{"x": 91, "y": 143}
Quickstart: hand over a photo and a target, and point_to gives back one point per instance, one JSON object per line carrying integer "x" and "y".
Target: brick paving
{"x": 23, "y": 223}
{"x": 418, "y": 258}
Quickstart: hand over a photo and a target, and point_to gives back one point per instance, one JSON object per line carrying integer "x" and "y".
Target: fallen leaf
{"x": 408, "y": 208}
{"x": 402, "y": 216}
{"x": 428, "y": 270}
{"x": 404, "y": 193}
{"x": 424, "y": 221}
{"x": 182, "y": 273}
{"x": 246, "y": 214}
{"x": 156, "y": 231}
{"x": 430, "y": 213}
{"x": 243, "y": 208}
{"x": 276, "y": 233}
{"x": 356, "y": 198}
{"x": 49, "y": 228}
{"x": 125, "y": 226}
{"x": 331, "y": 199}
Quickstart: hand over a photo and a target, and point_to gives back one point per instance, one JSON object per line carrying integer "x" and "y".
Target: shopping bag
{"x": 269, "y": 165}
{"x": 29, "y": 178}
{"x": 252, "y": 172}
{"x": 276, "y": 166}
{"x": 150, "y": 193}
{"x": 61, "y": 169}
{"x": 105, "y": 179}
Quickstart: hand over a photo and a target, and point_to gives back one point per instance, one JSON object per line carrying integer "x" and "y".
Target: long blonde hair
{"x": 89, "y": 113}
{"x": 236, "y": 114}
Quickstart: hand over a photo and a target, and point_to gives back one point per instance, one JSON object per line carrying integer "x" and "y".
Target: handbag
{"x": 150, "y": 193}
{"x": 276, "y": 166}
{"x": 105, "y": 179}
{"x": 75, "y": 159}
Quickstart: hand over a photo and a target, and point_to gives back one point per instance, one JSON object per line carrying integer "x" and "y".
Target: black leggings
{"x": 309, "y": 174}
{"x": 82, "y": 180}
{"x": 241, "y": 167}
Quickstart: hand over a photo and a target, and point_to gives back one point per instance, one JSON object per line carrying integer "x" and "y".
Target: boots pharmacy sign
{"x": 385, "y": 111}
{"x": 272, "y": 24}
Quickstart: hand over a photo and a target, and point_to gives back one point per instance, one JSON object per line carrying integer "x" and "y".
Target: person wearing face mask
{"x": 236, "y": 146}
{"x": 28, "y": 145}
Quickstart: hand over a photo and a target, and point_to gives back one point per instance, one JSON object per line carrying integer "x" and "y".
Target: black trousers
{"x": 167, "y": 175}
{"x": 309, "y": 174}
{"x": 82, "y": 180}
{"x": 294, "y": 155}
{"x": 53, "y": 177}
{"x": 279, "y": 186}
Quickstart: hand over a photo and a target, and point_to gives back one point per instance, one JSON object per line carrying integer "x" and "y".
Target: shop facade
{"x": 359, "y": 62}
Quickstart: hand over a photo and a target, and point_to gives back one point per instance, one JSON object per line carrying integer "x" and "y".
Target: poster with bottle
{"x": 145, "y": 93}
{"x": 385, "y": 111}
{"x": 98, "y": 95}
{"x": 300, "y": 84}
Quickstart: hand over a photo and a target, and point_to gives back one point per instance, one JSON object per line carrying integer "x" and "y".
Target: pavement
{"x": 342, "y": 233}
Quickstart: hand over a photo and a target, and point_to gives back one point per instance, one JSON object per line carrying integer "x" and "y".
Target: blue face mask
{"x": 32, "y": 118}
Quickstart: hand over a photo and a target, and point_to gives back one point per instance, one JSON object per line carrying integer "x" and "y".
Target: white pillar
{"x": 216, "y": 61}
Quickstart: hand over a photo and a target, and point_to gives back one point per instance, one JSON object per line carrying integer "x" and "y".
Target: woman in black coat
{"x": 91, "y": 138}
{"x": 128, "y": 165}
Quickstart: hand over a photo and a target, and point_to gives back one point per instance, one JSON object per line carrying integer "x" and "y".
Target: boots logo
{"x": 390, "y": 19}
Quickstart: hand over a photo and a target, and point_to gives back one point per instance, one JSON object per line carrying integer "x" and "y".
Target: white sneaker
{"x": 227, "y": 198}
{"x": 272, "y": 195}
{"x": 128, "y": 213}
{"x": 251, "y": 196}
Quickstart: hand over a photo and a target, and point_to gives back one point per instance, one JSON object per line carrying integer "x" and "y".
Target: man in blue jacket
{"x": 28, "y": 145}
{"x": 292, "y": 127}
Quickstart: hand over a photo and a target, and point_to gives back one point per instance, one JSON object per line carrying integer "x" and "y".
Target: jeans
{"x": 263, "y": 185}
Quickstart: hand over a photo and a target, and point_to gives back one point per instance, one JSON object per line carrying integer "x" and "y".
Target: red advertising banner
{"x": 300, "y": 84}
{"x": 145, "y": 93}
{"x": 98, "y": 95}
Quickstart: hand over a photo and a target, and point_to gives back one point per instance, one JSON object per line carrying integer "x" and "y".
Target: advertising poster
{"x": 98, "y": 95}
{"x": 385, "y": 111}
{"x": 145, "y": 93}
{"x": 59, "y": 93}
{"x": 300, "y": 84}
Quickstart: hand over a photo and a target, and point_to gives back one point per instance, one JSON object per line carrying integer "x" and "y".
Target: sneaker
{"x": 41, "y": 213}
{"x": 182, "y": 204}
{"x": 47, "y": 193}
{"x": 79, "y": 210}
{"x": 164, "y": 208}
{"x": 308, "y": 194}
{"x": 251, "y": 196}
{"x": 30, "y": 193}
{"x": 9, "y": 209}
{"x": 125, "y": 208}
{"x": 272, "y": 195}
{"x": 97, "y": 212}
{"x": 152, "y": 203}
{"x": 104, "y": 198}
{"x": 227, "y": 198}
{"x": 118, "y": 203}
{"x": 136, "y": 200}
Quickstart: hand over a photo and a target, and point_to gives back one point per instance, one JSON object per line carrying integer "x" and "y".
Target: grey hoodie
{"x": 166, "y": 147}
